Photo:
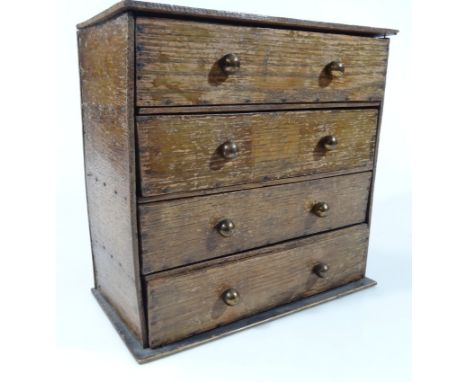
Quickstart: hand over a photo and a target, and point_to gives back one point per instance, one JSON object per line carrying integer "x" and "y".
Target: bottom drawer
{"x": 197, "y": 298}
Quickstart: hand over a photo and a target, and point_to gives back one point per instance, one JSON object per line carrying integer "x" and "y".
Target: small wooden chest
{"x": 230, "y": 161}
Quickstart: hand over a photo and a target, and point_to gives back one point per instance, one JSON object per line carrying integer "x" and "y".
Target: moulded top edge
{"x": 166, "y": 10}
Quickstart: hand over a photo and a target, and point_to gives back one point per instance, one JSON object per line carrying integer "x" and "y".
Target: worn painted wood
{"x": 178, "y": 64}
{"x": 187, "y": 303}
{"x": 244, "y": 186}
{"x": 106, "y": 71}
{"x": 277, "y": 108}
{"x": 181, "y": 153}
{"x": 376, "y": 152}
{"x": 140, "y": 7}
{"x": 184, "y": 231}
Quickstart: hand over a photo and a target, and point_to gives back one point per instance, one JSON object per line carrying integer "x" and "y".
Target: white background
{"x": 364, "y": 334}
{"x": 363, "y": 337}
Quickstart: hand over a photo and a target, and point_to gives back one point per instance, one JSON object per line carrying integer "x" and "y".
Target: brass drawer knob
{"x": 321, "y": 209}
{"x": 336, "y": 69}
{"x": 321, "y": 269}
{"x": 229, "y": 150}
{"x": 231, "y": 297}
{"x": 226, "y": 227}
{"x": 329, "y": 142}
{"x": 230, "y": 63}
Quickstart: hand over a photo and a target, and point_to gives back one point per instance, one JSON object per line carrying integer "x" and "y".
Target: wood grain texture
{"x": 243, "y": 186}
{"x": 178, "y": 64}
{"x": 376, "y": 152}
{"x": 162, "y": 63}
{"x": 180, "y": 305}
{"x": 140, "y": 7}
{"x": 261, "y": 216}
{"x": 180, "y": 153}
{"x": 106, "y": 68}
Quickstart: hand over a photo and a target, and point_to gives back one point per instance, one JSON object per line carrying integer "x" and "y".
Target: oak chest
{"x": 229, "y": 163}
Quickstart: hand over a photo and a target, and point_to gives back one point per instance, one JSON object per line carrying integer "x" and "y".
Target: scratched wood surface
{"x": 184, "y": 231}
{"x": 105, "y": 53}
{"x": 190, "y": 302}
{"x": 156, "y": 194}
{"x": 178, "y": 64}
{"x": 181, "y": 153}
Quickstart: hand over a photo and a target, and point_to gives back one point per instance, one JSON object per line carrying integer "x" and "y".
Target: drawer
{"x": 180, "y": 232}
{"x": 184, "y": 63}
{"x": 180, "y": 153}
{"x": 214, "y": 293}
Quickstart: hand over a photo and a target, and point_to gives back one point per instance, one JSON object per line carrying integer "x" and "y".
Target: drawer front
{"x": 181, "y": 63}
{"x": 180, "y": 153}
{"x": 189, "y": 302}
{"x": 181, "y": 232}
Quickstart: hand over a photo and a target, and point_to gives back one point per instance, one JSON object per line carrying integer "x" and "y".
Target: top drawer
{"x": 181, "y": 63}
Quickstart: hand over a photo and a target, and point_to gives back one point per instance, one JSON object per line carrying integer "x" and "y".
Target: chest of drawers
{"x": 229, "y": 163}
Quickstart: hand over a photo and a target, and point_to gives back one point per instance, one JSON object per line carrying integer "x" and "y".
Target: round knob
{"x": 336, "y": 69}
{"x": 321, "y": 269}
{"x": 321, "y": 209}
{"x": 231, "y": 297}
{"x": 226, "y": 227}
{"x": 329, "y": 142}
{"x": 229, "y": 150}
{"x": 230, "y": 63}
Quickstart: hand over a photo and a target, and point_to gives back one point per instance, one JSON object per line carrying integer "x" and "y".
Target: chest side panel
{"x": 106, "y": 67}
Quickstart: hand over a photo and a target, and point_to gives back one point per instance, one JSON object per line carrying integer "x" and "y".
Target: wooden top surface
{"x": 239, "y": 18}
